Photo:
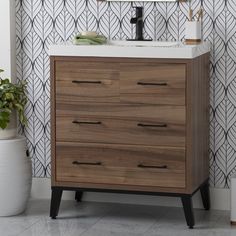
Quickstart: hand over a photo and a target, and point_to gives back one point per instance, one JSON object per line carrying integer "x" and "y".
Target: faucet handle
{"x": 133, "y": 20}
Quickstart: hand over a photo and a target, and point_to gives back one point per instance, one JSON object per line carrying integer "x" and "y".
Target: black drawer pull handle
{"x": 86, "y": 82}
{"x": 87, "y": 163}
{"x": 152, "y": 126}
{"x": 152, "y": 84}
{"x": 87, "y": 122}
{"x": 154, "y": 167}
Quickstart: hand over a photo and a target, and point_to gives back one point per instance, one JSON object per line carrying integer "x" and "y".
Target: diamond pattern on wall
{"x": 42, "y": 22}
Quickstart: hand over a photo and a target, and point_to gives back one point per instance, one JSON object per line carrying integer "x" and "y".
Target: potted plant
{"x": 12, "y": 102}
{"x": 15, "y": 166}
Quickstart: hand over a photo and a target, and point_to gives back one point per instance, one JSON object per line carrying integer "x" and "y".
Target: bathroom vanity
{"x": 130, "y": 119}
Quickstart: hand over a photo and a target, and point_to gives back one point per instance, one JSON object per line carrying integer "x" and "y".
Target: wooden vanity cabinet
{"x": 131, "y": 126}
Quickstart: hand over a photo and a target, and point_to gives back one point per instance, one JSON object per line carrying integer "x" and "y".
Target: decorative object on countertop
{"x": 15, "y": 175}
{"x": 233, "y": 200}
{"x": 89, "y": 38}
{"x": 139, "y": 25}
{"x": 193, "y": 33}
{"x": 12, "y": 102}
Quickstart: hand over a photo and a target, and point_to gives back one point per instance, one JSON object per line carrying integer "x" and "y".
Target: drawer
{"x": 117, "y": 164}
{"x": 117, "y": 124}
{"x": 86, "y": 81}
{"x": 153, "y": 83}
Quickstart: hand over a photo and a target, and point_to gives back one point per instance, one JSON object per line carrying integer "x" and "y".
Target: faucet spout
{"x": 134, "y": 20}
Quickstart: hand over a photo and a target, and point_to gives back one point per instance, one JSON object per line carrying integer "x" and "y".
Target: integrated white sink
{"x": 131, "y": 49}
{"x": 143, "y": 43}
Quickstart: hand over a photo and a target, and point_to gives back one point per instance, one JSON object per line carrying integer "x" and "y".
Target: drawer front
{"x": 117, "y": 164}
{"x": 153, "y": 83}
{"x": 145, "y": 125}
{"x": 86, "y": 81}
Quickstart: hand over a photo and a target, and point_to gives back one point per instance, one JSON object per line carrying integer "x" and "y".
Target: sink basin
{"x": 143, "y": 43}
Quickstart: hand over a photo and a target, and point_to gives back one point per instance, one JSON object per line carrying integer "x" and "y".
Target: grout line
{"x": 103, "y": 215}
{"x": 31, "y": 225}
{"x": 156, "y": 220}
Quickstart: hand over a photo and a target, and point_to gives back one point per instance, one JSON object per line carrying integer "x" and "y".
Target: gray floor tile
{"x": 109, "y": 232}
{"x": 74, "y": 218}
{"x": 56, "y": 227}
{"x": 102, "y": 219}
{"x": 208, "y": 223}
{"x": 126, "y": 220}
{"x": 11, "y": 226}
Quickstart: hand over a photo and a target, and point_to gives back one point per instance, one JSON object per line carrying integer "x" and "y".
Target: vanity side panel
{"x": 197, "y": 101}
{"x": 53, "y": 119}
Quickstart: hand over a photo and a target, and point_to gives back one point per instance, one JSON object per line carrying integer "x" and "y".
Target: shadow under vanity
{"x": 130, "y": 120}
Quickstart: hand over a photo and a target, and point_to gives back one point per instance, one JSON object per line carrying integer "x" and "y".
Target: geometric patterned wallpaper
{"x": 42, "y": 22}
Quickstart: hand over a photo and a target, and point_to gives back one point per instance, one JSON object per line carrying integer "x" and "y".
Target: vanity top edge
{"x": 180, "y": 51}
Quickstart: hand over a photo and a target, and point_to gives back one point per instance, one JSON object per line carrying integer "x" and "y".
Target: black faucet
{"x": 138, "y": 20}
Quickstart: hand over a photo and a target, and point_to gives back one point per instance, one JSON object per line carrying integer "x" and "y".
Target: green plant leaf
{"x": 12, "y": 97}
{"x": 4, "y": 119}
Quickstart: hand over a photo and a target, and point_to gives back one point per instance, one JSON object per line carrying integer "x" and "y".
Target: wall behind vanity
{"x": 42, "y": 22}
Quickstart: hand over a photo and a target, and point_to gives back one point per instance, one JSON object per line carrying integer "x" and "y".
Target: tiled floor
{"x": 100, "y": 219}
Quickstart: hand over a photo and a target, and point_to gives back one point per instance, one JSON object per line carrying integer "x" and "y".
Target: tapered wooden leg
{"x": 55, "y": 202}
{"x": 188, "y": 210}
{"x": 205, "y": 193}
{"x": 78, "y": 196}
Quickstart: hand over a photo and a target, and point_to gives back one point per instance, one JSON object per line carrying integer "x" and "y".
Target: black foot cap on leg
{"x": 55, "y": 202}
{"x": 188, "y": 210}
{"x": 205, "y": 193}
{"x": 78, "y": 196}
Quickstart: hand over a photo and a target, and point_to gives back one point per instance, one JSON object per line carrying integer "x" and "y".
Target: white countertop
{"x": 179, "y": 51}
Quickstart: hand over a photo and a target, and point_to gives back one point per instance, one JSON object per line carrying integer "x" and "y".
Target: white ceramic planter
{"x": 15, "y": 176}
{"x": 8, "y": 133}
{"x": 11, "y": 130}
{"x": 233, "y": 200}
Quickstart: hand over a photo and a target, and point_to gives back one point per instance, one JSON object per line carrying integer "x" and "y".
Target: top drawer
{"x": 153, "y": 83}
{"x": 87, "y": 81}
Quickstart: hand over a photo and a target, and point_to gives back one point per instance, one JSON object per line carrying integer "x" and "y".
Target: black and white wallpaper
{"x": 43, "y": 22}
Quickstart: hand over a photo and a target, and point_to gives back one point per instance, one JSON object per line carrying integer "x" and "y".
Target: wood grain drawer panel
{"x": 153, "y": 83}
{"x": 115, "y": 164}
{"x": 152, "y": 125}
{"x": 81, "y": 81}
